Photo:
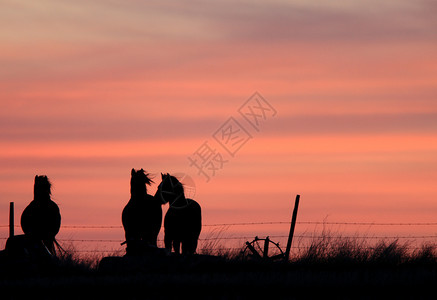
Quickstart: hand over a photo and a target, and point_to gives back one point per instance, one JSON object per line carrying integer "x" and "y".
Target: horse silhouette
{"x": 41, "y": 219}
{"x": 142, "y": 215}
{"x": 183, "y": 220}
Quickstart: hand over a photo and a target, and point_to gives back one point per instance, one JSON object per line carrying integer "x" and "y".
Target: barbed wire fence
{"x": 215, "y": 237}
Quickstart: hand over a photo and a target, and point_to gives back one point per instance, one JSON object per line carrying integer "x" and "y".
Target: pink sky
{"x": 90, "y": 90}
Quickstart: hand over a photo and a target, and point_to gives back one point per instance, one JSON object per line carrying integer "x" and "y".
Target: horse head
{"x": 171, "y": 190}
{"x": 138, "y": 182}
{"x": 42, "y": 188}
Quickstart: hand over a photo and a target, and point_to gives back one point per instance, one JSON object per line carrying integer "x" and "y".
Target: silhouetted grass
{"x": 322, "y": 250}
{"x": 341, "y": 250}
{"x": 343, "y": 268}
{"x": 213, "y": 244}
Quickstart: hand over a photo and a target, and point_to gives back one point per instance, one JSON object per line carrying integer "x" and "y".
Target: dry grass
{"x": 340, "y": 268}
{"x": 213, "y": 243}
{"x": 324, "y": 250}
{"x": 327, "y": 249}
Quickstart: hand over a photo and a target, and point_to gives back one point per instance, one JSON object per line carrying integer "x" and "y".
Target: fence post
{"x": 11, "y": 219}
{"x": 293, "y": 224}
{"x": 266, "y": 247}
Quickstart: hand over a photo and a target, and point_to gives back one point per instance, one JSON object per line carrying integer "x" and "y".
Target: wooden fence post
{"x": 293, "y": 224}
{"x": 266, "y": 247}
{"x": 11, "y": 219}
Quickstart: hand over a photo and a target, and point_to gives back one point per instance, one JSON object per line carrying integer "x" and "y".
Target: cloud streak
{"x": 89, "y": 90}
{"x": 113, "y": 129}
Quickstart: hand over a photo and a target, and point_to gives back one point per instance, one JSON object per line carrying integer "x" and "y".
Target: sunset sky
{"x": 91, "y": 89}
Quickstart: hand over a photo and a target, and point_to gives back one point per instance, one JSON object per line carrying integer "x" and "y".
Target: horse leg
{"x": 150, "y": 239}
{"x": 134, "y": 244}
{"x": 50, "y": 245}
{"x": 154, "y": 239}
{"x": 193, "y": 245}
{"x": 189, "y": 246}
{"x": 176, "y": 246}
{"x": 18, "y": 246}
{"x": 168, "y": 241}
{"x": 185, "y": 247}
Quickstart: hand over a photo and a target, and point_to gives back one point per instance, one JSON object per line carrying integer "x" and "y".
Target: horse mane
{"x": 42, "y": 187}
{"x": 139, "y": 180}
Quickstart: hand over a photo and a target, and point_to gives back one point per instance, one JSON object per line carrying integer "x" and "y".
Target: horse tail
{"x": 60, "y": 249}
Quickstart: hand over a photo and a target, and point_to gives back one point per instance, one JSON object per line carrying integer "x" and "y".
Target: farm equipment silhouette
{"x": 263, "y": 249}
{"x": 266, "y": 249}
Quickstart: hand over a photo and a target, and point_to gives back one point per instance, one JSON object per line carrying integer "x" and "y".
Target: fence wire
{"x": 266, "y": 223}
{"x": 247, "y": 238}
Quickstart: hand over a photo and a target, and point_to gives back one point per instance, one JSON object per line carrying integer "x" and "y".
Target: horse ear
{"x": 133, "y": 171}
{"x": 162, "y": 176}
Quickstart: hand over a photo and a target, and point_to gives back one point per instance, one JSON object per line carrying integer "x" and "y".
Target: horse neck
{"x": 42, "y": 198}
{"x": 138, "y": 196}
{"x": 180, "y": 202}
{"x": 138, "y": 192}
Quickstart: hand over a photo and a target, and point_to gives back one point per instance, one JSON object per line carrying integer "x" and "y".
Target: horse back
{"x": 184, "y": 221}
{"x": 142, "y": 215}
{"x": 41, "y": 219}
